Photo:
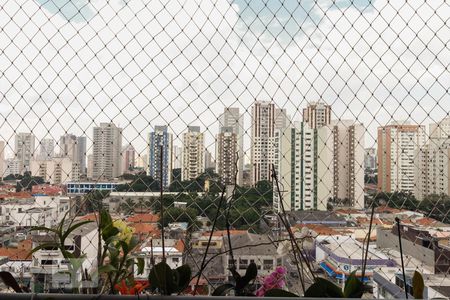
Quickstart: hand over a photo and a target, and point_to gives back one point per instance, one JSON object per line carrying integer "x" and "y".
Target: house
{"x": 49, "y": 268}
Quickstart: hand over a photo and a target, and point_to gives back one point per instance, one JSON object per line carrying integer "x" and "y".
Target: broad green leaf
{"x": 223, "y": 290}
{"x": 354, "y": 288}
{"x": 418, "y": 285}
{"x": 182, "y": 276}
{"x": 140, "y": 265}
{"x": 279, "y": 293}
{"x": 323, "y": 288}
{"x": 161, "y": 279}
{"x": 107, "y": 269}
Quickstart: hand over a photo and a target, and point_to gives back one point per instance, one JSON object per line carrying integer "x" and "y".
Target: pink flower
{"x": 281, "y": 270}
{"x": 274, "y": 281}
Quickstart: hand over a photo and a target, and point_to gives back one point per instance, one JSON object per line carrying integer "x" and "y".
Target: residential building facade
{"x": 193, "y": 153}
{"x": 24, "y": 150}
{"x": 317, "y": 114}
{"x": 398, "y": 144}
{"x": 232, "y": 118}
{"x": 266, "y": 119}
{"x": 226, "y": 155}
{"x": 161, "y": 140}
{"x": 304, "y": 165}
{"x": 348, "y": 162}
{"x": 128, "y": 158}
{"x": 107, "y": 140}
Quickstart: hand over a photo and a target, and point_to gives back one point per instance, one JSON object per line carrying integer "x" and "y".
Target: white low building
{"x": 38, "y": 211}
{"x": 173, "y": 250}
{"x": 49, "y": 268}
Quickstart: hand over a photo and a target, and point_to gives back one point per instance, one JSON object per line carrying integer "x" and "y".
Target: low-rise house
{"x": 152, "y": 253}
{"x": 49, "y": 268}
{"x": 389, "y": 284}
{"x": 18, "y": 261}
{"x": 339, "y": 256}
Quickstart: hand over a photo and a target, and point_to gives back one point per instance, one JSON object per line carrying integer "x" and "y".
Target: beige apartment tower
{"x": 398, "y": 145}
{"x": 193, "y": 164}
{"x": 107, "y": 148}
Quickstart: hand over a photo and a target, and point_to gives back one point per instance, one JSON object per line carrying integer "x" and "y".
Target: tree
{"x": 27, "y": 182}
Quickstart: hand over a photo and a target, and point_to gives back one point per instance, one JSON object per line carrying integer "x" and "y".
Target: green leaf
{"x": 418, "y": 285}
{"x": 223, "y": 290}
{"x": 107, "y": 269}
{"x": 72, "y": 228}
{"x": 140, "y": 265}
{"x": 323, "y": 288}
{"x": 279, "y": 293}
{"x": 354, "y": 288}
{"x": 182, "y": 276}
{"x": 161, "y": 278}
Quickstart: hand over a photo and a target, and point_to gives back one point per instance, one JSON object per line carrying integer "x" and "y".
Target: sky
{"x": 66, "y": 66}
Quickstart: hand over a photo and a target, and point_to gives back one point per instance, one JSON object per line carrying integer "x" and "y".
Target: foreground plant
{"x": 323, "y": 288}
{"x": 116, "y": 261}
{"x": 241, "y": 286}
{"x": 61, "y": 234}
{"x": 274, "y": 281}
{"x": 167, "y": 281}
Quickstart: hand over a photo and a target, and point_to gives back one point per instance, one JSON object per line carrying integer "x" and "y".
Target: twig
{"x": 202, "y": 266}
{"x": 162, "y": 204}
{"x": 285, "y": 222}
{"x": 401, "y": 254}
{"x": 368, "y": 241}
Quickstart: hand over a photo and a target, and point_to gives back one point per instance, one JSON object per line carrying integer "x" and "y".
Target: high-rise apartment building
{"x": 266, "y": 119}
{"x": 370, "y": 158}
{"x": 432, "y": 163}
{"x": 347, "y": 146}
{"x": 432, "y": 169}
{"x": 24, "y": 150}
{"x": 107, "y": 147}
{"x": 193, "y": 153}
{"x": 177, "y": 156}
{"x": 47, "y": 149}
{"x": 232, "y": 118}
{"x": 440, "y": 130}
{"x": 74, "y": 148}
{"x": 304, "y": 165}
{"x": 317, "y": 114}
{"x": 128, "y": 158}
{"x": 160, "y": 140}
{"x": 398, "y": 145}
{"x": 226, "y": 155}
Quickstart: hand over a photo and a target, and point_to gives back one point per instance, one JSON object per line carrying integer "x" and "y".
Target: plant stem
{"x": 367, "y": 247}
{"x": 401, "y": 254}
{"x": 285, "y": 222}
{"x": 202, "y": 266}
{"x": 161, "y": 156}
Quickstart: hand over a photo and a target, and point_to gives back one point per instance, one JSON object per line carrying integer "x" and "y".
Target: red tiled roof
{"x": 143, "y": 218}
{"x": 425, "y": 221}
{"x": 20, "y": 253}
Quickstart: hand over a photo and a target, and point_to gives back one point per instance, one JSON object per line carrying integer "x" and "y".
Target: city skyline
{"x": 9, "y": 152}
